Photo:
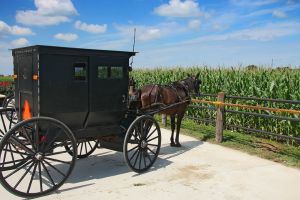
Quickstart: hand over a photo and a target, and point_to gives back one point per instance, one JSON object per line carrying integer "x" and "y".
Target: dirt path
{"x": 195, "y": 171}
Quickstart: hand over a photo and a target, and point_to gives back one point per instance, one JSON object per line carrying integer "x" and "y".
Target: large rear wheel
{"x": 33, "y": 160}
{"x": 142, "y": 143}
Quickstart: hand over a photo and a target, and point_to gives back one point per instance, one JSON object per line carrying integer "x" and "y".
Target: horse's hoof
{"x": 178, "y": 145}
{"x": 172, "y": 144}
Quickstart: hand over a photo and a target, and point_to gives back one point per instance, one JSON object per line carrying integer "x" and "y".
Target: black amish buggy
{"x": 69, "y": 101}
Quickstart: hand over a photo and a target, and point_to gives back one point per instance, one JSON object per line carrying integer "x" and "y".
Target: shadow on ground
{"x": 108, "y": 163}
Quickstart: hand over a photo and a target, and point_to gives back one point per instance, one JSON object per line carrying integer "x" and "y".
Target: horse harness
{"x": 174, "y": 86}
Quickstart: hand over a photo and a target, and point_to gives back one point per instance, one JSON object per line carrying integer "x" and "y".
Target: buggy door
{"x": 108, "y": 91}
{"x": 64, "y": 88}
{"x": 25, "y": 87}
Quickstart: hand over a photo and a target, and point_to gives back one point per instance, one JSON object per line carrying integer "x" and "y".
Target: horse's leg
{"x": 172, "y": 129}
{"x": 179, "y": 119}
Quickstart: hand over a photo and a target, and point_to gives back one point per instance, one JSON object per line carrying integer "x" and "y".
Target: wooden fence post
{"x": 164, "y": 119}
{"x": 220, "y": 118}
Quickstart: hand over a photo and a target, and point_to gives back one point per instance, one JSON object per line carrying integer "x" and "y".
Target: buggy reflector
{"x": 35, "y": 77}
{"x": 26, "y": 111}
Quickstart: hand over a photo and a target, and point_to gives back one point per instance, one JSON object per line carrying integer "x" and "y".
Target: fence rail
{"x": 221, "y": 110}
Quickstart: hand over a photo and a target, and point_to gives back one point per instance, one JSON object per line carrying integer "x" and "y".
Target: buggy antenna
{"x": 134, "y": 32}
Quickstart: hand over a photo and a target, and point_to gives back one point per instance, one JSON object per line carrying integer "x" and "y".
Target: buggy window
{"x": 102, "y": 72}
{"x": 105, "y": 72}
{"x": 80, "y": 71}
{"x": 116, "y": 72}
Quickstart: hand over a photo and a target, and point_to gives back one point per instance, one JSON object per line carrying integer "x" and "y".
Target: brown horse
{"x": 155, "y": 96}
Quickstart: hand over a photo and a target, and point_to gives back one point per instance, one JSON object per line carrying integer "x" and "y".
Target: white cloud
{"x": 21, "y": 42}
{"x": 148, "y": 33}
{"x": 55, "y": 7}
{"x": 91, "y": 28}
{"x": 254, "y": 3}
{"x": 48, "y": 12}
{"x": 178, "y": 8}
{"x": 194, "y": 24}
{"x": 264, "y": 33}
{"x": 283, "y": 10}
{"x": 5, "y": 29}
{"x": 279, "y": 14}
{"x": 68, "y": 37}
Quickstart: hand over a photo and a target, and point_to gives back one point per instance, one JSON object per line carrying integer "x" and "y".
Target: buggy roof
{"x": 69, "y": 50}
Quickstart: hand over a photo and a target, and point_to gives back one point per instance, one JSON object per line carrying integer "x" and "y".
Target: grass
{"x": 288, "y": 155}
{"x": 6, "y": 78}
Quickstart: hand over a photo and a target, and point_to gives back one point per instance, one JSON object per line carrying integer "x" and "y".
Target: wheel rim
{"x": 84, "y": 148}
{"x": 142, "y": 144}
{"x": 11, "y": 115}
{"x": 32, "y": 157}
{"x": 6, "y": 122}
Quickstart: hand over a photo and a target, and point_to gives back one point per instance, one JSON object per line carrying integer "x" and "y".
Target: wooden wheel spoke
{"x": 86, "y": 151}
{"x": 148, "y": 127}
{"x": 28, "y": 138}
{"x": 141, "y": 155}
{"x": 81, "y": 148}
{"x": 4, "y": 158}
{"x": 90, "y": 144}
{"x": 62, "y": 144}
{"x": 136, "y": 158}
{"x": 148, "y": 156}
{"x": 48, "y": 174}
{"x": 133, "y": 155}
{"x": 50, "y": 143}
{"x": 151, "y": 134}
{"x": 155, "y": 145}
{"x": 144, "y": 159}
{"x": 19, "y": 160}
{"x": 18, "y": 152}
{"x": 31, "y": 179}
{"x": 4, "y": 126}
{"x": 24, "y": 175}
{"x": 133, "y": 148}
{"x": 151, "y": 150}
{"x": 2, "y": 133}
{"x": 40, "y": 177}
{"x": 153, "y": 139}
{"x": 137, "y": 132}
{"x": 60, "y": 172}
{"x": 141, "y": 130}
{"x": 17, "y": 169}
{"x": 11, "y": 154}
{"x": 14, "y": 140}
{"x": 11, "y": 119}
{"x": 56, "y": 160}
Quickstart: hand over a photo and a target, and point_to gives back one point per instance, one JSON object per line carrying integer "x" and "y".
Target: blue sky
{"x": 169, "y": 32}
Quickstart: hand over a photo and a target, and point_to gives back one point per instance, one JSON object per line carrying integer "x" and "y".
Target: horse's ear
{"x": 197, "y": 75}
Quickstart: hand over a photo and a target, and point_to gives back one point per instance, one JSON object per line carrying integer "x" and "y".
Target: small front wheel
{"x": 142, "y": 143}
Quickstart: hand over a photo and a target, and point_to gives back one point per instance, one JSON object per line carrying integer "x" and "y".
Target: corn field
{"x": 263, "y": 83}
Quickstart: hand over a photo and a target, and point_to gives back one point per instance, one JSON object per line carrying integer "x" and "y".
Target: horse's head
{"x": 192, "y": 84}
